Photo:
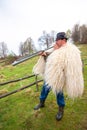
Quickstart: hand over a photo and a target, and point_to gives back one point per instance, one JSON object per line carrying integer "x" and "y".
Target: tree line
{"x": 78, "y": 35}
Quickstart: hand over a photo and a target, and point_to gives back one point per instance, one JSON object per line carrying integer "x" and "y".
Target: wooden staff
{"x": 28, "y": 57}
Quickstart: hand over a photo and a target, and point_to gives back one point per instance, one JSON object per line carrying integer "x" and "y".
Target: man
{"x": 58, "y": 73}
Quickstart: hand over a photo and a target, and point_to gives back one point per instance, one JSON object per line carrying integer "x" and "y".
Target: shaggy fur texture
{"x": 39, "y": 68}
{"x": 63, "y": 71}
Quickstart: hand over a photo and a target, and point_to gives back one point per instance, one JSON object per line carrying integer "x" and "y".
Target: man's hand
{"x": 43, "y": 53}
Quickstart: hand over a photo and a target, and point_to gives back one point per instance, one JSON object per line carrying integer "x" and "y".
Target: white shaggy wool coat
{"x": 63, "y": 70}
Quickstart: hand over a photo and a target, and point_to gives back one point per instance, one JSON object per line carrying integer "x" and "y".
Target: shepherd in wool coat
{"x": 62, "y": 70}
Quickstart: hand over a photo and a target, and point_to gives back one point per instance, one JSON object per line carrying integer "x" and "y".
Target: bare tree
{"x": 46, "y": 39}
{"x": 83, "y": 34}
{"x": 75, "y": 33}
{"x": 21, "y": 48}
{"x": 79, "y": 34}
{"x": 27, "y": 47}
{"x": 3, "y": 49}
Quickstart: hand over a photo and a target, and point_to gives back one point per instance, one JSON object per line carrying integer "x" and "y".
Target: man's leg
{"x": 61, "y": 104}
{"x": 43, "y": 96}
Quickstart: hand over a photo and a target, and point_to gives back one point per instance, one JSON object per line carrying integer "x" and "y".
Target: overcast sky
{"x": 20, "y": 19}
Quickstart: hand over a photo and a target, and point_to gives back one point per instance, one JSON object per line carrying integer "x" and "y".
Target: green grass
{"x": 16, "y": 111}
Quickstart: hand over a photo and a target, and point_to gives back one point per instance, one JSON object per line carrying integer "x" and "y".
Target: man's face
{"x": 59, "y": 42}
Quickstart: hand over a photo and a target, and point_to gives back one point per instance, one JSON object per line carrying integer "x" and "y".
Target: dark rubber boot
{"x": 60, "y": 113}
{"x": 40, "y": 105}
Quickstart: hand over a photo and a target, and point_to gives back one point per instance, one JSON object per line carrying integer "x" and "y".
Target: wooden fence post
{"x": 36, "y": 83}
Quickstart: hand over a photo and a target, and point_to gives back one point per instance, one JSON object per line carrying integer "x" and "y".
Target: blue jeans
{"x": 59, "y": 96}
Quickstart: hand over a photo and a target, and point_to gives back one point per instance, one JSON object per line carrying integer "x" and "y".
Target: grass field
{"x": 16, "y": 111}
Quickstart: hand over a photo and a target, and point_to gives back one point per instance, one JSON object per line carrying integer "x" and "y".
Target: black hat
{"x": 61, "y": 35}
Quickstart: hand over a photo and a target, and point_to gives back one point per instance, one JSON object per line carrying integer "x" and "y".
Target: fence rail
{"x": 16, "y": 80}
{"x": 22, "y": 88}
{"x": 18, "y": 90}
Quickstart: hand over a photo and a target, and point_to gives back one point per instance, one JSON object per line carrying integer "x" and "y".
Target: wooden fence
{"x": 22, "y": 88}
